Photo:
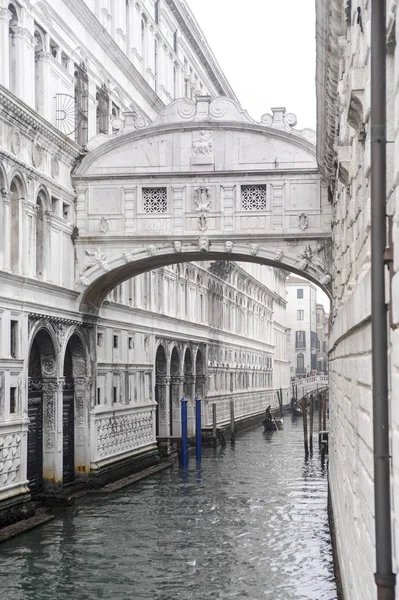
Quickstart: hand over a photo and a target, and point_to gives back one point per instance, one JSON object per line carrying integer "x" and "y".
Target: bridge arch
{"x": 204, "y": 181}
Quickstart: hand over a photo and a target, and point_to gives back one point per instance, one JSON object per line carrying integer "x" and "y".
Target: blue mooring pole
{"x": 198, "y": 429}
{"x": 184, "y": 434}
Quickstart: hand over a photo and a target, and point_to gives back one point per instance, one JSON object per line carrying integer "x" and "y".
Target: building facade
{"x": 322, "y": 338}
{"x": 302, "y": 320}
{"x": 81, "y": 396}
{"x": 344, "y": 143}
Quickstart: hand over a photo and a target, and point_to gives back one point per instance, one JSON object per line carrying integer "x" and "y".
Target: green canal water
{"x": 251, "y": 522}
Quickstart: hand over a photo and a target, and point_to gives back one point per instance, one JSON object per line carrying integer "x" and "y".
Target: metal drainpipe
{"x": 384, "y": 577}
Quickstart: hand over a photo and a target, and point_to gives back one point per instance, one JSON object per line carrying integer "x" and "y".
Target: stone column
{"x": 200, "y": 392}
{"x": 163, "y": 406}
{"x": 22, "y": 84}
{"x": 82, "y": 434}
{"x": 5, "y": 230}
{"x": 30, "y": 212}
{"x": 177, "y": 394}
{"x": 189, "y": 393}
{"x": 52, "y": 430}
{"x": 5, "y": 16}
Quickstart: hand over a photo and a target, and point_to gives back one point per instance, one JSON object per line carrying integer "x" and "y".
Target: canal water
{"x": 251, "y": 522}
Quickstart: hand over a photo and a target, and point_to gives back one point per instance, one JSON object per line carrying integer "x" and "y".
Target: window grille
{"x": 81, "y": 103}
{"x": 102, "y": 111}
{"x": 154, "y": 200}
{"x": 253, "y": 197}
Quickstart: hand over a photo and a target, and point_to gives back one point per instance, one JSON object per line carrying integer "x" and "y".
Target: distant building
{"x": 301, "y": 317}
{"x": 322, "y": 338}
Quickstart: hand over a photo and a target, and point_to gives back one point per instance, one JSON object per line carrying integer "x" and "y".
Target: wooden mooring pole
{"x": 214, "y": 424}
{"x": 319, "y": 411}
{"x": 311, "y": 425}
{"x": 232, "y": 421}
{"x": 305, "y": 426}
{"x": 324, "y": 403}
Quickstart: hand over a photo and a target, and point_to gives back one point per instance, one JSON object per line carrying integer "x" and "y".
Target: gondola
{"x": 297, "y": 411}
{"x": 273, "y": 424}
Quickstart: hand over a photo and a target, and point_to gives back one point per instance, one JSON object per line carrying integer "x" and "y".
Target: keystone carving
{"x": 203, "y": 244}
{"x": 177, "y": 246}
{"x": 254, "y": 249}
{"x": 229, "y": 246}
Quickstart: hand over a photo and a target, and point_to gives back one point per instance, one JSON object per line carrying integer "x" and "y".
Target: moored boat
{"x": 273, "y": 424}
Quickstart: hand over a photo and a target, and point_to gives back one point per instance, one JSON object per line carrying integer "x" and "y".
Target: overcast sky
{"x": 266, "y": 49}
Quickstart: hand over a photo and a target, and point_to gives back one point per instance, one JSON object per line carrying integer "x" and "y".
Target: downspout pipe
{"x": 384, "y": 577}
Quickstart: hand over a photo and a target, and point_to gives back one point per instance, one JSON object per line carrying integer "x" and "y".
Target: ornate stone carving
{"x": 303, "y": 221}
{"x": 50, "y": 389}
{"x": 37, "y": 155}
{"x": 229, "y": 246}
{"x": 177, "y": 246}
{"x": 152, "y": 250}
{"x": 203, "y": 222}
{"x": 203, "y": 244}
{"x": 254, "y": 249}
{"x": 60, "y": 329}
{"x": 202, "y": 199}
{"x": 203, "y": 145}
{"x": 326, "y": 279}
{"x": 55, "y": 168}
{"x": 104, "y": 224}
{"x": 15, "y": 142}
{"x": 279, "y": 255}
{"x": 10, "y": 458}
{"x": 121, "y": 433}
{"x": 95, "y": 258}
{"x": 127, "y": 257}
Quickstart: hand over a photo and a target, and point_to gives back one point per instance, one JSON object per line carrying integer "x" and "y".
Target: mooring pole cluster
{"x": 184, "y": 432}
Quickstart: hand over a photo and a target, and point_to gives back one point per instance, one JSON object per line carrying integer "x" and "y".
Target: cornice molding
{"x": 31, "y": 119}
{"x": 39, "y": 175}
{"x": 111, "y": 48}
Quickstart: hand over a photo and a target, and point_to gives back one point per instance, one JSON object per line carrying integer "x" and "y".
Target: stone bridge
{"x": 202, "y": 182}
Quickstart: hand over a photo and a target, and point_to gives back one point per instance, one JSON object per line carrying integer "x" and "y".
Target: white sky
{"x": 266, "y": 49}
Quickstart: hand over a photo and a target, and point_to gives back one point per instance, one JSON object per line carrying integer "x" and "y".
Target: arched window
{"x": 39, "y": 82}
{"x": 13, "y": 62}
{"x": 40, "y": 252}
{"x": 102, "y": 110}
{"x": 300, "y": 363}
{"x": 81, "y": 103}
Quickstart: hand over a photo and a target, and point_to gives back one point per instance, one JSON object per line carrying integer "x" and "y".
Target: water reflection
{"x": 250, "y": 522}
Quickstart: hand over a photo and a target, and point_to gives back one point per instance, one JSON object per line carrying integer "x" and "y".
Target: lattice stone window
{"x": 253, "y": 197}
{"x": 154, "y": 200}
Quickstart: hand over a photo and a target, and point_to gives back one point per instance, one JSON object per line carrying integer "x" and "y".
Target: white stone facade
{"x": 343, "y": 76}
{"x": 103, "y": 386}
{"x": 301, "y": 314}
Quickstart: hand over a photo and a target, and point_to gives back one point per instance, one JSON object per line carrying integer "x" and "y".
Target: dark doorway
{"x": 35, "y": 414}
{"x": 68, "y": 421}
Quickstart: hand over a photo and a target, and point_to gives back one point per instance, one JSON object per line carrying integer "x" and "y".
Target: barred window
{"x": 253, "y": 197}
{"x": 154, "y": 200}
